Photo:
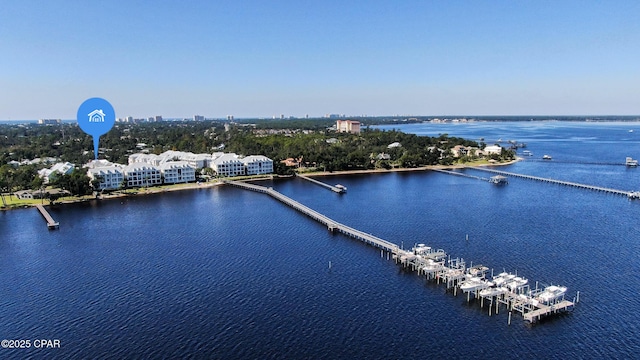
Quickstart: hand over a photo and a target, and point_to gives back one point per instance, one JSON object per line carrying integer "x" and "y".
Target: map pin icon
{"x": 96, "y": 117}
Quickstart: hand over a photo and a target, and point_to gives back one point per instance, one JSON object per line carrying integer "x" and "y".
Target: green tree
{"x": 77, "y": 183}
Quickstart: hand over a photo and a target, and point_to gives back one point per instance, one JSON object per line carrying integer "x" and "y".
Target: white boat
{"x": 432, "y": 267}
{"x": 492, "y": 291}
{"x": 477, "y": 271}
{"x": 341, "y": 187}
{"x": 428, "y": 252}
{"x": 527, "y": 153}
{"x": 502, "y": 278}
{"x": 551, "y": 293}
{"x": 516, "y": 283}
{"x": 474, "y": 284}
{"x": 631, "y": 162}
{"x": 546, "y": 157}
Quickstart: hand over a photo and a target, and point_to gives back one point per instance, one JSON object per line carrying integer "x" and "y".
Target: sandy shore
{"x": 192, "y": 186}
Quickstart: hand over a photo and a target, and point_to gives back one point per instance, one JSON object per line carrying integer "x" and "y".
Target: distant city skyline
{"x": 256, "y": 59}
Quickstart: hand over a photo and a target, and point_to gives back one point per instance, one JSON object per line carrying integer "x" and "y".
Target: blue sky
{"x": 264, "y": 58}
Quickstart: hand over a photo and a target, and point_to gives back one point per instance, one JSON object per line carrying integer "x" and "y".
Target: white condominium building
{"x": 177, "y": 172}
{"x": 110, "y": 177}
{"x": 142, "y": 174}
{"x": 258, "y": 164}
{"x": 196, "y": 161}
{"x": 152, "y": 159}
{"x": 227, "y": 165}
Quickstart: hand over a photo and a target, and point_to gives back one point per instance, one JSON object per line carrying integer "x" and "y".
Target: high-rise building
{"x": 158, "y": 118}
{"x": 198, "y": 118}
{"x": 348, "y": 126}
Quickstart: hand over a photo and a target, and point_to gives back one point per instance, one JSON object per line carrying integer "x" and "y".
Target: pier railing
{"x": 325, "y": 220}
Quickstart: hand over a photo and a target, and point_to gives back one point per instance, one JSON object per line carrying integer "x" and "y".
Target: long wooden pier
{"x": 553, "y": 181}
{"x": 429, "y": 263}
{"x": 51, "y": 224}
{"x": 330, "y": 223}
{"x": 337, "y": 189}
{"x": 449, "y": 172}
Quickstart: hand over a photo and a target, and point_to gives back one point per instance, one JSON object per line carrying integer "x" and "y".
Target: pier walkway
{"x": 553, "y": 181}
{"x": 449, "y": 172}
{"x": 337, "y": 189}
{"x": 330, "y": 223}
{"x": 430, "y": 263}
{"x": 554, "y": 161}
{"x": 51, "y": 224}
{"x": 544, "y": 310}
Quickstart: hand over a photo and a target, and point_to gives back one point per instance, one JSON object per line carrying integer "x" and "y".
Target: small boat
{"x": 341, "y": 187}
{"x": 474, "y": 284}
{"x": 631, "y": 130}
{"x": 546, "y": 157}
{"x": 631, "y": 162}
{"x": 492, "y": 291}
{"x": 551, "y": 293}
{"x": 432, "y": 267}
{"x": 527, "y": 153}
{"x": 516, "y": 283}
{"x": 428, "y": 252}
{"x": 502, "y": 278}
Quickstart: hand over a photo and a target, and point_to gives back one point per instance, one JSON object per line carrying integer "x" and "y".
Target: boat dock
{"x": 51, "y": 224}
{"x": 553, "y": 181}
{"x": 497, "y": 179}
{"x": 434, "y": 266}
{"x": 544, "y": 310}
{"x": 337, "y": 189}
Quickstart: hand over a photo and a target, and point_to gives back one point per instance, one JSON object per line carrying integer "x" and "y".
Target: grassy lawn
{"x": 13, "y": 201}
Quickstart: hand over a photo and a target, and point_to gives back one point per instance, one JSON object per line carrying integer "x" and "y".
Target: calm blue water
{"x": 225, "y": 273}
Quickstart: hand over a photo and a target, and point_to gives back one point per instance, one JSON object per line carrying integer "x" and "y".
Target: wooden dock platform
{"x": 544, "y": 310}
{"x": 51, "y": 224}
{"x": 336, "y": 189}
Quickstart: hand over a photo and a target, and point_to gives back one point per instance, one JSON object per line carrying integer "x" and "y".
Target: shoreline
{"x": 192, "y": 186}
{"x": 385, "y": 171}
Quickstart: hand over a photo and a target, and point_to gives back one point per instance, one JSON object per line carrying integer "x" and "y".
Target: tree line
{"x": 317, "y": 147}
